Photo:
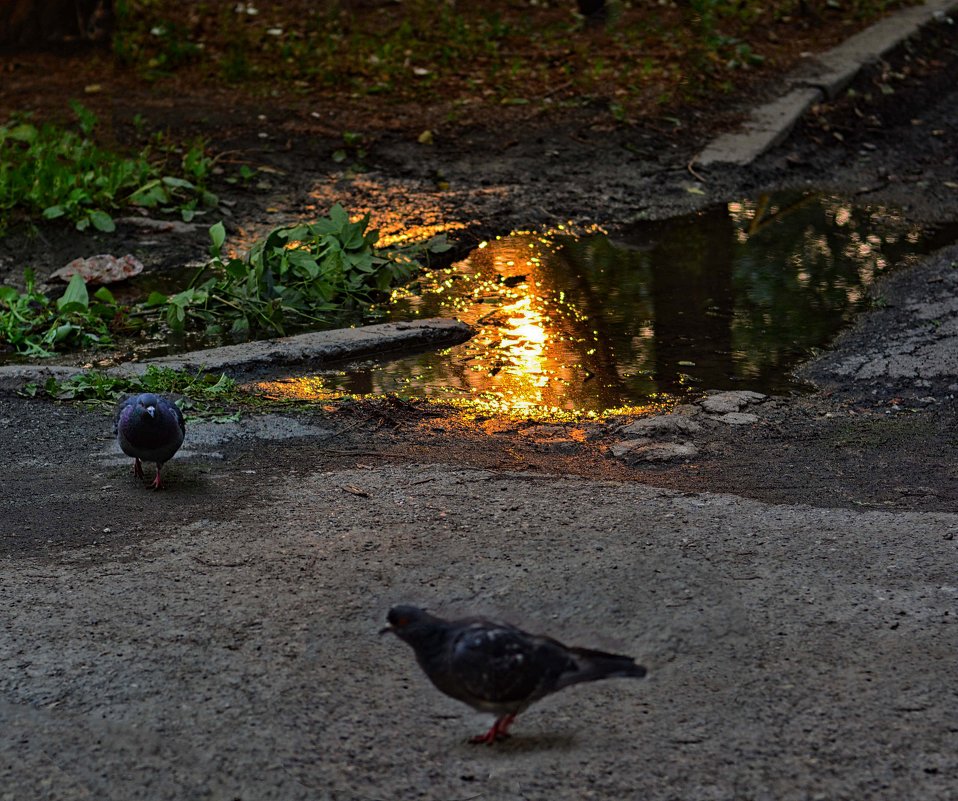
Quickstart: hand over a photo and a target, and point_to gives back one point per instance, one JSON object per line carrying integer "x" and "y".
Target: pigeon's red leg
{"x": 157, "y": 484}
{"x": 504, "y": 724}
{"x": 497, "y": 732}
{"x": 137, "y": 468}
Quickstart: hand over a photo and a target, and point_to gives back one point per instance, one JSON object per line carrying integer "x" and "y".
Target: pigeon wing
{"x": 499, "y": 665}
{"x": 121, "y": 404}
{"x": 179, "y": 417}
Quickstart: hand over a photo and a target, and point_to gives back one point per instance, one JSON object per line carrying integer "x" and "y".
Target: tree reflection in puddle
{"x": 732, "y": 297}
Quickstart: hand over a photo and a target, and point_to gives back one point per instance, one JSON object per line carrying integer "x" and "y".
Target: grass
{"x": 51, "y": 172}
{"x": 199, "y": 396}
{"x": 644, "y": 55}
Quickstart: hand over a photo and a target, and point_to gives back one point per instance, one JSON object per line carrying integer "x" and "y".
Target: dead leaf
{"x": 353, "y": 490}
{"x": 101, "y": 269}
{"x": 425, "y": 138}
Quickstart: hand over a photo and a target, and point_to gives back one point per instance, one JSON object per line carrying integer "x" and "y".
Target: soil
{"x": 791, "y": 586}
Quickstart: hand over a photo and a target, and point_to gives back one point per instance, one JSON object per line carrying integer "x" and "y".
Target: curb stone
{"x": 824, "y": 75}
{"x": 315, "y": 349}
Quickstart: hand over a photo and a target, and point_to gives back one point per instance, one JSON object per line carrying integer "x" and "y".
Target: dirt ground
{"x": 791, "y": 587}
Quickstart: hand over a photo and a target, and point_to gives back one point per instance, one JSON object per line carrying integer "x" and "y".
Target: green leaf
{"x": 237, "y": 269}
{"x": 150, "y": 195}
{"x": 75, "y": 297}
{"x": 177, "y": 183}
{"x": 52, "y": 212}
{"x": 217, "y": 237}
{"x": 102, "y": 221}
{"x": 61, "y": 332}
{"x": 156, "y": 299}
{"x": 23, "y": 133}
{"x": 339, "y": 216}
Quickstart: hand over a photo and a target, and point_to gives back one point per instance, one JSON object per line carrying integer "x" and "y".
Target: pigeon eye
{"x": 402, "y": 621}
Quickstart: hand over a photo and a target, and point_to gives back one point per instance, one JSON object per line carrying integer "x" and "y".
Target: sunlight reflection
{"x": 567, "y": 326}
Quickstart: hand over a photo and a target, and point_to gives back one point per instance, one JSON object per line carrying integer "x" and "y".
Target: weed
{"x": 55, "y": 172}
{"x": 34, "y": 325}
{"x": 199, "y": 395}
{"x": 429, "y": 51}
{"x": 353, "y": 143}
{"x": 298, "y": 276}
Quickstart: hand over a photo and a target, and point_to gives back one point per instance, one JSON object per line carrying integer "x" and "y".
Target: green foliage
{"x": 36, "y": 326}
{"x": 151, "y": 40}
{"x": 298, "y": 276}
{"x": 476, "y": 55}
{"x": 53, "y": 172}
{"x": 199, "y": 395}
{"x": 352, "y": 145}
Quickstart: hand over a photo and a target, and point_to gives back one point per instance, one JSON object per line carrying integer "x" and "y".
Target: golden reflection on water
{"x": 316, "y": 389}
{"x": 570, "y": 328}
{"x": 534, "y": 355}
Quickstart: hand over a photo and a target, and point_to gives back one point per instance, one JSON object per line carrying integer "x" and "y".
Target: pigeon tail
{"x": 596, "y": 665}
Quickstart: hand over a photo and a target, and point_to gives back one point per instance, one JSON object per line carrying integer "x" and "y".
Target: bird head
{"x": 148, "y": 404}
{"x": 404, "y": 619}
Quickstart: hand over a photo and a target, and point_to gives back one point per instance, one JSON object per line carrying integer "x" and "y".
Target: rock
{"x": 102, "y": 269}
{"x": 724, "y": 402}
{"x": 661, "y": 424}
{"x": 636, "y": 451}
{"x": 738, "y": 418}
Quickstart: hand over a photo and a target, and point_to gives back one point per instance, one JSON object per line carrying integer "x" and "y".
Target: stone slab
{"x": 823, "y": 76}
{"x": 768, "y": 126}
{"x": 314, "y": 349}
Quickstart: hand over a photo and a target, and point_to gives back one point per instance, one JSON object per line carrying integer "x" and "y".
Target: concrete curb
{"x": 314, "y": 349}
{"x": 823, "y": 76}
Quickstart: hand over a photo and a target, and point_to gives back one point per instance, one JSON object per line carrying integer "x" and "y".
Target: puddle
{"x": 732, "y": 297}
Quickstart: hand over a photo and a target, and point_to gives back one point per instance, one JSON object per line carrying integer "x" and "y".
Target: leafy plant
{"x": 54, "y": 172}
{"x": 298, "y": 276}
{"x": 33, "y": 324}
{"x": 203, "y": 395}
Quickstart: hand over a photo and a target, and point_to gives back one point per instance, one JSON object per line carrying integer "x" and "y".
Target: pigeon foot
{"x": 157, "y": 484}
{"x": 137, "y": 468}
{"x": 497, "y": 732}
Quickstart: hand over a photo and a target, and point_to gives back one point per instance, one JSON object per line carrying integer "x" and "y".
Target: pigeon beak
{"x": 151, "y": 410}
{"x": 386, "y": 630}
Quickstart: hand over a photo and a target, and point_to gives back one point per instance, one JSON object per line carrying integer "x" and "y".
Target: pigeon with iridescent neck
{"x": 498, "y": 668}
{"x": 149, "y": 428}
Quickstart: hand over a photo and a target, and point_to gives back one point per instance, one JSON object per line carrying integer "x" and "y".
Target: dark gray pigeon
{"x": 151, "y": 428}
{"x": 498, "y": 668}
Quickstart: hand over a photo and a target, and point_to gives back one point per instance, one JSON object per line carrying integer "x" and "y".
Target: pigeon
{"x": 150, "y": 428}
{"x": 496, "y": 667}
